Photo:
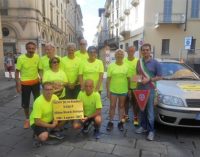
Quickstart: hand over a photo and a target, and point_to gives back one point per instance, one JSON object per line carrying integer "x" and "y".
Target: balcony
{"x": 111, "y": 24}
{"x": 122, "y": 18}
{"x": 127, "y": 12}
{"x": 116, "y": 22}
{"x": 125, "y": 30}
{"x": 135, "y": 3}
{"x": 107, "y": 13}
{"x": 175, "y": 18}
{"x": 113, "y": 42}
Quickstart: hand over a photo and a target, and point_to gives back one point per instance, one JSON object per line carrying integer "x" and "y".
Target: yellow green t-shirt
{"x": 132, "y": 68}
{"x": 44, "y": 63}
{"x": 28, "y": 67}
{"x": 71, "y": 68}
{"x": 55, "y": 77}
{"x": 92, "y": 70}
{"x": 118, "y": 75}
{"x": 82, "y": 56}
{"x": 42, "y": 109}
{"x": 90, "y": 103}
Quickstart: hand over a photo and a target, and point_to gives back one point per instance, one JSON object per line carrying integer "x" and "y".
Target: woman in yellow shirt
{"x": 56, "y": 76}
{"x": 92, "y": 69}
{"x": 117, "y": 84}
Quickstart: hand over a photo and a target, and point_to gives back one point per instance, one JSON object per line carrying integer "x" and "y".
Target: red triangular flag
{"x": 142, "y": 97}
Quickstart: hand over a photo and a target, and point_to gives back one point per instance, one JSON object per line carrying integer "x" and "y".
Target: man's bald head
{"x": 89, "y": 86}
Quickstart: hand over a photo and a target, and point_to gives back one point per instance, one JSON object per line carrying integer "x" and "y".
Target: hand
{"x": 145, "y": 80}
{"x": 82, "y": 88}
{"x": 129, "y": 93}
{"x": 54, "y": 124}
{"x": 96, "y": 89}
{"x": 84, "y": 119}
{"x": 71, "y": 86}
{"x": 108, "y": 95}
{"x": 18, "y": 87}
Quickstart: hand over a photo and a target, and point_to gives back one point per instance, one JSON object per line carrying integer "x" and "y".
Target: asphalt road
{"x": 169, "y": 141}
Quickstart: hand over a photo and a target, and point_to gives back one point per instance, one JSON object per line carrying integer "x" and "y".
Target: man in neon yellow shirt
{"x": 71, "y": 66}
{"x": 82, "y": 53}
{"x": 92, "y": 107}
{"x": 44, "y": 60}
{"x": 41, "y": 118}
{"x": 27, "y": 68}
{"x": 131, "y": 61}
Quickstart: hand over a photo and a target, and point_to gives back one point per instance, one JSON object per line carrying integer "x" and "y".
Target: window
{"x": 126, "y": 47}
{"x": 193, "y": 45}
{"x": 51, "y": 14}
{"x": 121, "y": 46}
{"x": 167, "y": 10}
{"x": 5, "y": 31}
{"x": 135, "y": 43}
{"x": 43, "y": 10}
{"x": 195, "y": 9}
{"x": 165, "y": 46}
{"x": 4, "y": 7}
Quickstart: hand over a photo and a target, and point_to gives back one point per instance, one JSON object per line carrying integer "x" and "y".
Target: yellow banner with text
{"x": 69, "y": 109}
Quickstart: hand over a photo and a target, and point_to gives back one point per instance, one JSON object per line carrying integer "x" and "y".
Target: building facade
{"x": 42, "y": 21}
{"x": 1, "y": 52}
{"x": 170, "y": 26}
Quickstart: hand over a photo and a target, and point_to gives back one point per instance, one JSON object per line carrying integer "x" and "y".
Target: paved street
{"x": 17, "y": 142}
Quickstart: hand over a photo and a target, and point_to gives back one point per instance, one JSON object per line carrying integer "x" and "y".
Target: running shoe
{"x": 109, "y": 126}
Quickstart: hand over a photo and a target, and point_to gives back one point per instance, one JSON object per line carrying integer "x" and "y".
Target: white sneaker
{"x": 150, "y": 136}
{"x": 140, "y": 130}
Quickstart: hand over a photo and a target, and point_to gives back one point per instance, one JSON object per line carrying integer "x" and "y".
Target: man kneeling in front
{"x": 41, "y": 118}
{"x": 92, "y": 108}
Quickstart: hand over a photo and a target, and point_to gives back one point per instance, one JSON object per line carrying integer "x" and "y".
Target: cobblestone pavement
{"x": 169, "y": 141}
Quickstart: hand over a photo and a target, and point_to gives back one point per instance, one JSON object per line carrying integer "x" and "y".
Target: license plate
{"x": 197, "y": 117}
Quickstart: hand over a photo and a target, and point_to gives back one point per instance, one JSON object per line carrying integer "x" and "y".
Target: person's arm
{"x": 39, "y": 122}
{"x": 98, "y": 112}
{"x": 17, "y": 79}
{"x": 108, "y": 86}
{"x": 99, "y": 82}
{"x": 81, "y": 82}
{"x": 156, "y": 78}
{"x": 40, "y": 71}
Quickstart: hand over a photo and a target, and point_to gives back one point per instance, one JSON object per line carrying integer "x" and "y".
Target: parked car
{"x": 178, "y": 95}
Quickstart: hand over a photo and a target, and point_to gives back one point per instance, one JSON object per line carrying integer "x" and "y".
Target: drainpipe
{"x": 186, "y": 13}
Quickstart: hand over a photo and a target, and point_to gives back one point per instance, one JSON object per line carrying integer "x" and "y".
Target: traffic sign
{"x": 188, "y": 43}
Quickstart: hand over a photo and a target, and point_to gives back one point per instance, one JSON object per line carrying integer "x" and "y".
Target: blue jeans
{"x": 147, "y": 116}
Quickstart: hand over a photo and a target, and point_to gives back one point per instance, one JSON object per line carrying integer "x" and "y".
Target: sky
{"x": 91, "y": 18}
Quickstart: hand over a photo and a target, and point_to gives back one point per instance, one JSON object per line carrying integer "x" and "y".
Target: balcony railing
{"x": 135, "y": 3}
{"x": 175, "y": 18}
{"x": 116, "y": 22}
{"x": 107, "y": 13}
{"x": 114, "y": 40}
{"x": 125, "y": 30}
{"x": 127, "y": 11}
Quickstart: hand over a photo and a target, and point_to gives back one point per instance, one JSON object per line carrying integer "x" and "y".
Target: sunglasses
{"x": 145, "y": 49}
{"x": 55, "y": 62}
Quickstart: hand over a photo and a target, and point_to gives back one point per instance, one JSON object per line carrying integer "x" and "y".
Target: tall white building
{"x": 168, "y": 25}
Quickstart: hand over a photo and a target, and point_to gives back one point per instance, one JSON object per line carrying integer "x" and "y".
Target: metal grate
{"x": 193, "y": 103}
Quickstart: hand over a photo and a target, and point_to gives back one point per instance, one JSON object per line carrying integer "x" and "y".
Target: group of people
{"x": 79, "y": 75}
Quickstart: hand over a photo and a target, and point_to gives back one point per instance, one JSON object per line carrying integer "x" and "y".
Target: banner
{"x": 69, "y": 109}
{"x": 142, "y": 97}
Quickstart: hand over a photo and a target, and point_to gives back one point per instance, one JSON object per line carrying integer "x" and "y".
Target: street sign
{"x": 188, "y": 43}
